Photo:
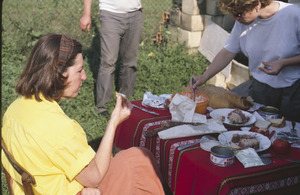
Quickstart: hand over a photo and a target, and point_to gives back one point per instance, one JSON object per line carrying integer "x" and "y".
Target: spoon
{"x": 293, "y": 130}
{"x": 279, "y": 157}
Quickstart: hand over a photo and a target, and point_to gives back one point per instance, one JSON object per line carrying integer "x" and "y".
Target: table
{"x": 190, "y": 171}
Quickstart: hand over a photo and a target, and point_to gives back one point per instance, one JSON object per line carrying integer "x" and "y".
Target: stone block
{"x": 190, "y": 7}
{"x": 192, "y": 50}
{"x": 212, "y": 41}
{"x": 239, "y": 74}
{"x": 192, "y": 22}
{"x": 212, "y": 8}
{"x": 218, "y": 80}
{"x": 175, "y": 17}
{"x": 192, "y": 39}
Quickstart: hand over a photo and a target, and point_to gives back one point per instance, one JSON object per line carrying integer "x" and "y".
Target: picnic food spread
{"x": 225, "y": 106}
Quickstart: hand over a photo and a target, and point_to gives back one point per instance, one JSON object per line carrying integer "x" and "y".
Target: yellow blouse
{"x": 47, "y": 143}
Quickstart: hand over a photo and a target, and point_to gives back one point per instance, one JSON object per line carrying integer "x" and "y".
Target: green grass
{"x": 166, "y": 71}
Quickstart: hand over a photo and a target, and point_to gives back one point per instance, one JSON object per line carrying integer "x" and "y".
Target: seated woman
{"x": 53, "y": 147}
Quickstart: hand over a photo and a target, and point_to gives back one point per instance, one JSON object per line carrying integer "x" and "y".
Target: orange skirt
{"x": 132, "y": 171}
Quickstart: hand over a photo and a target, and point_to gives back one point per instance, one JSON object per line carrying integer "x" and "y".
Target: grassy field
{"x": 166, "y": 70}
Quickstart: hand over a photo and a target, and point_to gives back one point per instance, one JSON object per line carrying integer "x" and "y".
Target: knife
{"x": 145, "y": 110}
{"x": 188, "y": 145}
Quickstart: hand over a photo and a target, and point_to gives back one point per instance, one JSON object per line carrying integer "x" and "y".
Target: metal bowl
{"x": 268, "y": 112}
{"x": 222, "y": 156}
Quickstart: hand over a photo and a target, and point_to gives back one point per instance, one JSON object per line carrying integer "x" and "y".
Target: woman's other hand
{"x": 272, "y": 68}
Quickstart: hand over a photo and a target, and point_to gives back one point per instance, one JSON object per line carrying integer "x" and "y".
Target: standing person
{"x": 268, "y": 33}
{"x": 121, "y": 24}
{"x": 53, "y": 147}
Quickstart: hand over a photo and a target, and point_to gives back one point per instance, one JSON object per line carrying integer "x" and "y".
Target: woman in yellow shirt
{"x": 53, "y": 147}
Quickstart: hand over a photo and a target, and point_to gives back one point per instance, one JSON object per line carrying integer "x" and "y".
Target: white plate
{"x": 218, "y": 113}
{"x": 264, "y": 142}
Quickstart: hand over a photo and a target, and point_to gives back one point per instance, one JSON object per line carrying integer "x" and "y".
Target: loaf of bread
{"x": 223, "y": 98}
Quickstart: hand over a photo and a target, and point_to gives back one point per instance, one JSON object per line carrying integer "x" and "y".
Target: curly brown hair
{"x": 235, "y": 7}
{"x": 42, "y": 73}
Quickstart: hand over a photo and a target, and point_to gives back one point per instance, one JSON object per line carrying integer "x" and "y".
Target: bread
{"x": 262, "y": 125}
{"x": 279, "y": 123}
{"x": 223, "y": 98}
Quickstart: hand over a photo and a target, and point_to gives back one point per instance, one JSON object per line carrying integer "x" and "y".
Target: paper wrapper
{"x": 211, "y": 126}
{"x": 222, "y": 98}
{"x": 182, "y": 108}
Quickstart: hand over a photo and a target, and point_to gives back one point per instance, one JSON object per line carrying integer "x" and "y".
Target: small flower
{"x": 151, "y": 54}
{"x": 33, "y": 11}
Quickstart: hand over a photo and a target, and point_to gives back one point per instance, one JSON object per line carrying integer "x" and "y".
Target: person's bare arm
{"x": 85, "y": 20}
{"x": 274, "y": 67}
{"x": 92, "y": 175}
{"x": 220, "y": 61}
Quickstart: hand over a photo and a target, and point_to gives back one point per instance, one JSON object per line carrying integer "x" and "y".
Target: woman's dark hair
{"x": 240, "y": 6}
{"x": 43, "y": 72}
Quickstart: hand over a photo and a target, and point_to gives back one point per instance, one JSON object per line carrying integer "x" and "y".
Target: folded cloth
{"x": 211, "y": 126}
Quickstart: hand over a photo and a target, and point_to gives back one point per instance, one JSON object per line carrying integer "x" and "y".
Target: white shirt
{"x": 277, "y": 37}
{"x": 120, "y": 6}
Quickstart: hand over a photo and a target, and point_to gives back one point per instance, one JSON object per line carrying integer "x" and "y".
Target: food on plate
{"x": 281, "y": 146}
{"x": 244, "y": 141}
{"x": 279, "y": 122}
{"x": 223, "y": 98}
{"x": 264, "y": 132}
{"x": 237, "y": 117}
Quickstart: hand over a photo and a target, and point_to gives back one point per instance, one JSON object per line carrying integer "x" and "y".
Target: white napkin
{"x": 182, "y": 108}
{"x": 211, "y": 126}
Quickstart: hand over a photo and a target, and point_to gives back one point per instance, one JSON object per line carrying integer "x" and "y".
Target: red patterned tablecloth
{"x": 189, "y": 171}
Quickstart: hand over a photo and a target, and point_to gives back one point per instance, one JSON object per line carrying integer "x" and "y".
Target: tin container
{"x": 222, "y": 156}
{"x": 268, "y": 112}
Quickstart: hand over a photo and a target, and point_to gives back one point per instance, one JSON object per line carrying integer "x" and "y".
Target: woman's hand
{"x": 121, "y": 111}
{"x": 199, "y": 80}
{"x": 272, "y": 68}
